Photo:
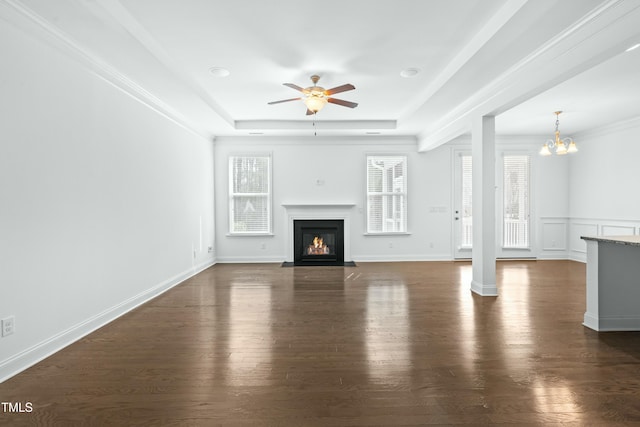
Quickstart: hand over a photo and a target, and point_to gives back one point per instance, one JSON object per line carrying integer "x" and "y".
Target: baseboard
{"x": 250, "y": 260}
{"x": 551, "y": 256}
{"x": 29, "y": 357}
{"x": 591, "y": 322}
{"x": 612, "y": 323}
{"x": 484, "y": 290}
{"x": 402, "y": 258}
{"x": 579, "y": 257}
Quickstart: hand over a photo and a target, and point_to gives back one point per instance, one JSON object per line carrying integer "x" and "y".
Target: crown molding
{"x": 322, "y": 124}
{"x": 136, "y": 30}
{"x": 630, "y": 123}
{"x": 495, "y": 24}
{"x": 60, "y": 40}
{"x": 387, "y": 141}
{"x": 576, "y": 48}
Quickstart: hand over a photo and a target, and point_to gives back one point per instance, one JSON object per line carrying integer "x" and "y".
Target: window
{"x": 250, "y": 194}
{"x": 515, "y": 227}
{"x": 466, "y": 217}
{"x": 386, "y": 194}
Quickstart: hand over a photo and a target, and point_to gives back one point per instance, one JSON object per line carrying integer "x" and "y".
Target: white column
{"x": 484, "y": 206}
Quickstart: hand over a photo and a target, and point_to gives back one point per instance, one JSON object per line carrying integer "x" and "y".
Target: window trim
{"x": 231, "y": 195}
{"x": 463, "y": 154}
{"x": 404, "y": 194}
{"x": 530, "y": 225}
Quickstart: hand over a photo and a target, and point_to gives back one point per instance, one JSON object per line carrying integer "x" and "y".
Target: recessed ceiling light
{"x": 219, "y": 71}
{"x": 373, "y": 133}
{"x": 634, "y": 47}
{"x": 409, "y": 72}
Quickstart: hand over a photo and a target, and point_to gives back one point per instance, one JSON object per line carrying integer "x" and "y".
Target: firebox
{"x": 318, "y": 242}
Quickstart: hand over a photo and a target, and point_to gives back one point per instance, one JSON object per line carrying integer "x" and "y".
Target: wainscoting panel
{"x": 617, "y": 230}
{"x": 596, "y": 227}
{"x": 553, "y": 238}
{"x": 577, "y": 246}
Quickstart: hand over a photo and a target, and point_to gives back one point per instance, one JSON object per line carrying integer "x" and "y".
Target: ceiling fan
{"x": 316, "y": 97}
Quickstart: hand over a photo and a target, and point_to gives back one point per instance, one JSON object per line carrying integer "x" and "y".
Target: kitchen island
{"x": 613, "y": 283}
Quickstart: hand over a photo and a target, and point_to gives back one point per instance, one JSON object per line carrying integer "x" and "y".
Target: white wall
{"x": 551, "y": 199}
{"x": 299, "y": 163}
{"x": 604, "y": 177}
{"x": 103, "y": 201}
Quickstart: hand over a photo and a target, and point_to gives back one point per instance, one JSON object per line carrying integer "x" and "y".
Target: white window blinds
{"x": 386, "y": 194}
{"x": 515, "y": 227}
{"x": 250, "y": 194}
{"x": 466, "y": 236}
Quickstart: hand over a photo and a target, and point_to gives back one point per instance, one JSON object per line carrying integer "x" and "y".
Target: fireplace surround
{"x": 318, "y": 242}
{"x": 313, "y": 212}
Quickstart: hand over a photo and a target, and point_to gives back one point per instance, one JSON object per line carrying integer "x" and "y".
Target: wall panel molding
{"x": 596, "y": 227}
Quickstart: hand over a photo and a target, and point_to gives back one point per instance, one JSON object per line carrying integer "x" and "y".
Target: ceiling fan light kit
{"x": 315, "y": 102}
{"x": 316, "y": 97}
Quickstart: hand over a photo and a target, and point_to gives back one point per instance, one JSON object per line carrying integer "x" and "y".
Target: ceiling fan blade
{"x": 309, "y": 112}
{"x": 342, "y": 102}
{"x": 284, "y": 100}
{"x": 339, "y": 89}
{"x": 292, "y": 86}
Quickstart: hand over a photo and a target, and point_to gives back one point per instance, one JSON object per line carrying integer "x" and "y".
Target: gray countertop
{"x": 622, "y": 240}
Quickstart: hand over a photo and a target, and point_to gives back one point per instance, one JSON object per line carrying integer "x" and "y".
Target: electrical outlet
{"x": 210, "y": 249}
{"x": 8, "y": 325}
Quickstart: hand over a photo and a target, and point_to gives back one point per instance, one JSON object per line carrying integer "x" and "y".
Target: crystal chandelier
{"x": 561, "y": 146}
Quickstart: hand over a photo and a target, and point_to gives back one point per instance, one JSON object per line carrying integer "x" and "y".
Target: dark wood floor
{"x": 390, "y": 344}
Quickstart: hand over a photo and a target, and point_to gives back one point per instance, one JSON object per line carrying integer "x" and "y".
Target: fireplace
{"x": 318, "y": 242}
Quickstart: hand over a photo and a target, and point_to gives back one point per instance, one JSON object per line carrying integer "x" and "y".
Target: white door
{"x": 513, "y": 206}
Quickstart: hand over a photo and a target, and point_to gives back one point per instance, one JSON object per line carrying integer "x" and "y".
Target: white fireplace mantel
{"x": 318, "y": 205}
{"x": 296, "y": 211}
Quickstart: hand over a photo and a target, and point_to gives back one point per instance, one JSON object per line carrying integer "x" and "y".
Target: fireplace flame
{"x": 318, "y": 247}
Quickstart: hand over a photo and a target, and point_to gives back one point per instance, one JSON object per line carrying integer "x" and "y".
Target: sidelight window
{"x": 515, "y": 227}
